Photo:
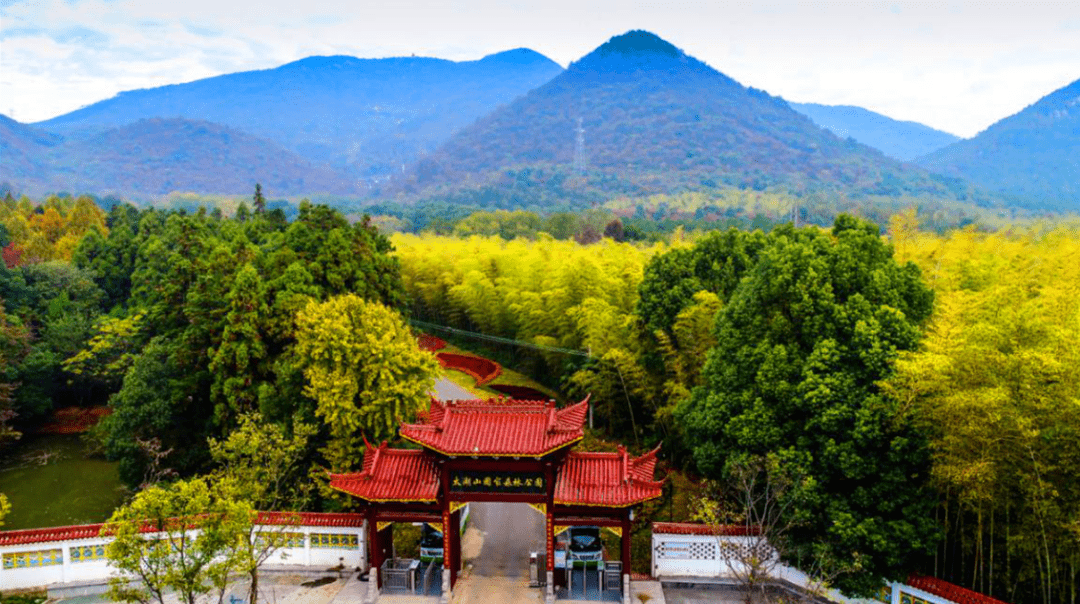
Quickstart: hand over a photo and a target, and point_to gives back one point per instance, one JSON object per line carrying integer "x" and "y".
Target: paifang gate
{"x": 498, "y": 450}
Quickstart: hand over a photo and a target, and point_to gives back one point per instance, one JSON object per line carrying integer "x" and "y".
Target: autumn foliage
{"x": 47, "y": 231}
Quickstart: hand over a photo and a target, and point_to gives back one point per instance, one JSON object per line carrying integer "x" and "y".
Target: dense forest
{"x": 950, "y": 378}
{"x": 185, "y": 323}
{"x": 920, "y": 385}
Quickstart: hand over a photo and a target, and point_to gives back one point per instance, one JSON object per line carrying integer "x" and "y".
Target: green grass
{"x": 51, "y": 481}
{"x": 507, "y": 377}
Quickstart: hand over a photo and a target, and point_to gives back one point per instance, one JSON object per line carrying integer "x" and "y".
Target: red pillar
{"x": 549, "y": 530}
{"x": 375, "y": 548}
{"x": 454, "y": 553}
{"x": 625, "y": 522}
{"x": 549, "y": 533}
{"x": 447, "y": 537}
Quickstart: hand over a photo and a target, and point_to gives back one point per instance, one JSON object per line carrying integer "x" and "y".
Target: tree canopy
{"x": 178, "y": 538}
{"x": 364, "y": 370}
{"x": 802, "y": 343}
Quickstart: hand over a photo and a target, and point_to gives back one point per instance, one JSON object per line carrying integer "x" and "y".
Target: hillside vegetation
{"x": 1032, "y": 156}
{"x": 654, "y": 120}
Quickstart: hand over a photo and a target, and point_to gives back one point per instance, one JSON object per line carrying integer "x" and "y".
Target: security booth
{"x": 498, "y": 450}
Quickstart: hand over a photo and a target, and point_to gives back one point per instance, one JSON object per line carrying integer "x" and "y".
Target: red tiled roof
{"x": 391, "y": 475}
{"x": 53, "y": 533}
{"x": 498, "y": 428}
{"x": 91, "y": 531}
{"x": 607, "y": 479}
{"x": 954, "y": 593}
{"x": 693, "y": 528}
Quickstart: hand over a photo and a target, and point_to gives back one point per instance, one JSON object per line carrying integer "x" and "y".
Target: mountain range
{"x": 901, "y": 140}
{"x": 366, "y": 116}
{"x": 635, "y": 117}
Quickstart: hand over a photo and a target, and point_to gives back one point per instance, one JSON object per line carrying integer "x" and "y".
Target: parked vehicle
{"x": 431, "y": 538}
{"x": 431, "y": 544}
{"x": 585, "y": 544}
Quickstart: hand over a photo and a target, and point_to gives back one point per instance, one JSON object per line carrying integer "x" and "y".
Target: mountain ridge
{"x": 157, "y": 156}
{"x": 1032, "y": 156}
{"x": 899, "y": 139}
{"x": 367, "y": 116}
{"x": 654, "y": 120}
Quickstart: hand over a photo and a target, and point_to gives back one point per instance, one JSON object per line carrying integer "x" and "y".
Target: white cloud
{"x": 958, "y": 66}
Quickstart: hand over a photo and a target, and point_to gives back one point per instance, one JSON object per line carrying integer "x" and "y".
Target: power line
{"x": 484, "y": 336}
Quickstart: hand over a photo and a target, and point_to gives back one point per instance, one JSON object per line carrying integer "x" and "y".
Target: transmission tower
{"x": 579, "y": 149}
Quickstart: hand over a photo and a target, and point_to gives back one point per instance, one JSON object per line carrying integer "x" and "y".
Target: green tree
{"x": 995, "y": 386}
{"x": 14, "y": 344}
{"x": 258, "y": 201}
{"x": 5, "y": 508}
{"x": 111, "y": 258}
{"x": 160, "y": 400}
{"x": 802, "y": 344}
{"x": 260, "y": 463}
{"x": 363, "y": 369}
{"x": 238, "y": 364}
{"x": 110, "y": 352}
{"x": 181, "y": 537}
{"x": 716, "y": 263}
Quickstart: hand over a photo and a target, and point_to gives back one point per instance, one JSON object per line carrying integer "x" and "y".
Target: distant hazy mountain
{"x": 898, "y": 139}
{"x": 159, "y": 156}
{"x": 22, "y": 150}
{"x": 1033, "y": 155}
{"x": 653, "y": 120}
{"x": 370, "y": 115}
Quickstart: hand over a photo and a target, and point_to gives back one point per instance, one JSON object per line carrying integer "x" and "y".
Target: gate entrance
{"x": 496, "y": 452}
{"x": 507, "y": 533}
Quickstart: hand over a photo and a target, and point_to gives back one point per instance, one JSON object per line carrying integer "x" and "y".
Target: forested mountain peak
{"x": 519, "y": 56}
{"x": 635, "y": 52}
{"x": 1033, "y": 155}
{"x": 12, "y": 130}
{"x": 637, "y": 42}
{"x": 637, "y": 117}
{"x": 1065, "y": 98}
{"x": 161, "y": 155}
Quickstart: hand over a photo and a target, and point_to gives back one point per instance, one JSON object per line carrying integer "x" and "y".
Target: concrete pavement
{"x": 446, "y": 390}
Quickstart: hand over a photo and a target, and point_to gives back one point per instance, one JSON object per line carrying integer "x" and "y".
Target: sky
{"x": 955, "y": 66}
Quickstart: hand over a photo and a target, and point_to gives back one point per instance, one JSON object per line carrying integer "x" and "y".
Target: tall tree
{"x": 238, "y": 364}
{"x": 801, "y": 346}
{"x": 258, "y": 201}
{"x": 364, "y": 370}
{"x": 14, "y": 344}
{"x": 996, "y": 386}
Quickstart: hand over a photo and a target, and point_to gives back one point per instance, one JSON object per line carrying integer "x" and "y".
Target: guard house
{"x": 492, "y": 451}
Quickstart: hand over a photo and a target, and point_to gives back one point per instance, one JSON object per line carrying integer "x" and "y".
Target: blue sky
{"x": 956, "y": 66}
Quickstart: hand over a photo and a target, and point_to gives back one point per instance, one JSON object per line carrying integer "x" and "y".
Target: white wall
{"x": 701, "y": 555}
{"x": 313, "y": 552}
{"x": 686, "y": 557}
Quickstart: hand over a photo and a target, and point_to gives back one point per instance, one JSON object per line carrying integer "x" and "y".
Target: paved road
{"x": 445, "y": 390}
{"x": 510, "y": 531}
